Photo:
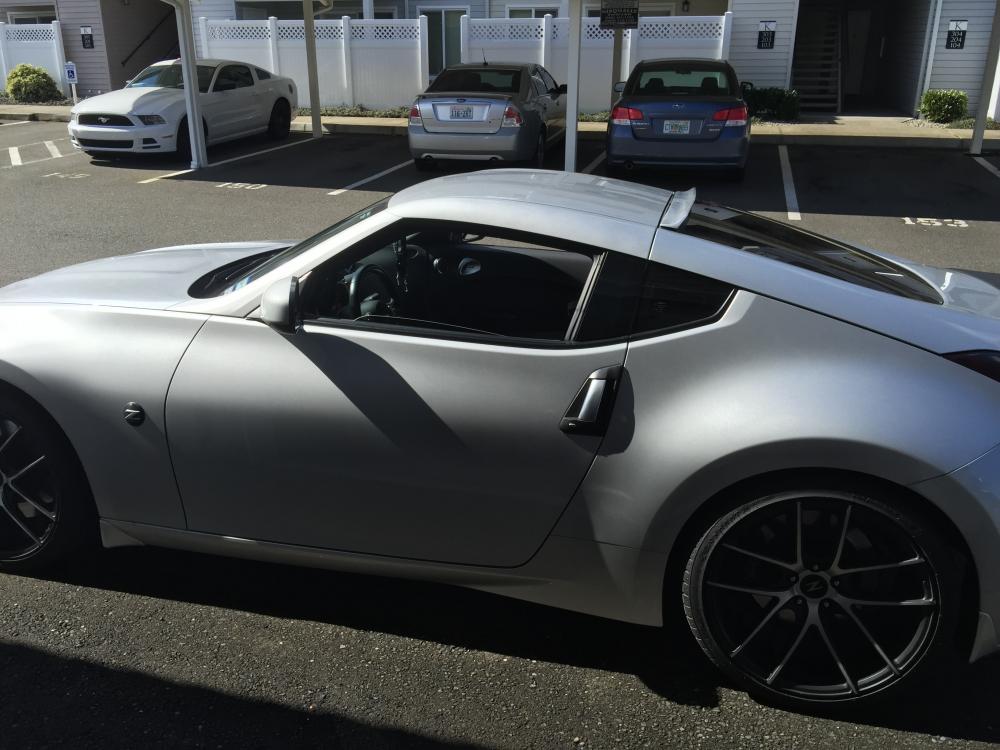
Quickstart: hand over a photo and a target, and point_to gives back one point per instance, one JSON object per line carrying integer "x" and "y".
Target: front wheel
{"x": 819, "y": 597}
{"x": 46, "y": 513}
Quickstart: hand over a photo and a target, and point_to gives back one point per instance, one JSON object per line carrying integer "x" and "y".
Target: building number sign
{"x": 956, "y": 34}
{"x": 765, "y": 34}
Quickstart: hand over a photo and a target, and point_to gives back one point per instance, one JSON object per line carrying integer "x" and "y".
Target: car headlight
{"x": 152, "y": 120}
{"x": 74, "y": 117}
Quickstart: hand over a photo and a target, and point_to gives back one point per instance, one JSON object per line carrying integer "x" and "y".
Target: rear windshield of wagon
{"x": 681, "y": 79}
{"x": 487, "y": 80}
{"x": 778, "y": 241}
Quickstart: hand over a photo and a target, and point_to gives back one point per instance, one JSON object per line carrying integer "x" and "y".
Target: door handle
{"x": 591, "y": 408}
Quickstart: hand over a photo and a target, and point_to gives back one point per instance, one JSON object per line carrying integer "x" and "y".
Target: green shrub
{"x": 944, "y": 105}
{"x": 773, "y": 104}
{"x": 29, "y": 83}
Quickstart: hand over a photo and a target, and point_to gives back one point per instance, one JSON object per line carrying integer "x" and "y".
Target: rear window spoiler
{"x": 678, "y": 208}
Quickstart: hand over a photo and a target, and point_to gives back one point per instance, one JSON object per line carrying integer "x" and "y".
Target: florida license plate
{"x": 461, "y": 113}
{"x": 676, "y": 127}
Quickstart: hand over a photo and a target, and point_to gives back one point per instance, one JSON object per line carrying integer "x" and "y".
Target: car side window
{"x": 550, "y": 82}
{"x": 641, "y": 297}
{"x": 233, "y": 77}
{"x": 262, "y": 75}
{"x": 451, "y": 279}
{"x": 540, "y": 88}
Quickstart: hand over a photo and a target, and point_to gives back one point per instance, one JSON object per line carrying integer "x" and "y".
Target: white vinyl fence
{"x": 33, "y": 43}
{"x": 379, "y": 63}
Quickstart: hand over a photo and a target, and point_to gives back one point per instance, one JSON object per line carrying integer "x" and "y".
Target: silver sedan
{"x": 562, "y": 388}
{"x": 508, "y": 112}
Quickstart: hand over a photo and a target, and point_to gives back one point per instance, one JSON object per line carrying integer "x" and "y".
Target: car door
{"x": 234, "y": 102}
{"x": 556, "y": 122}
{"x": 542, "y": 102}
{"x": 389, "y": 439}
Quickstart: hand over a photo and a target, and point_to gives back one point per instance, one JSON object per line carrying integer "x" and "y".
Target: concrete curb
{"x": 35, "y": 116}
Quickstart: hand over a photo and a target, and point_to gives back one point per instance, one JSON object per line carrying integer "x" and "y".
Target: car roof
{"x": 684, "y": 61}
{"x": 490, "y": 64}
{"x": 209, "y": 62}
{"x": 581, "y": 208}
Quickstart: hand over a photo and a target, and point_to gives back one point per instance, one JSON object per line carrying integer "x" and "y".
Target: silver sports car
{"x": 557, "y": 387}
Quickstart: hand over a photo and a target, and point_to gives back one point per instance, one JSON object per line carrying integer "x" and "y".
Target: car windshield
{"x": 268, "y": 263}
{"x": 484, "y": 80}
{"x": 171, "y": 77}
{"x": 681, "y": 79}
{"x": 778, "y": 241}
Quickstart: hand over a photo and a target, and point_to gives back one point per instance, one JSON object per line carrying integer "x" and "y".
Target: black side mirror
{"x": 561, "y": 89}
{"x": 746, "y": 87}
{"x": 279, "y": 307}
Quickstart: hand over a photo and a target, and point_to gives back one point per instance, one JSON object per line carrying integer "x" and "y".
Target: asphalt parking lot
{"x": 148, "y": 648}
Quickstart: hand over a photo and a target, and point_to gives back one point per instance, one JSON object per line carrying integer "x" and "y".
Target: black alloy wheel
{"x": 821, "y": 597}
{"x": 46, "y": 513}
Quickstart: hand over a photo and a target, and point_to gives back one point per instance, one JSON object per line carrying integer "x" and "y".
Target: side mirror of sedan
{"x": 279, "y": 307}
{"x": 561, "y": 89}
{"x": 746, "y": 87}
{"x": 619, "y": 87}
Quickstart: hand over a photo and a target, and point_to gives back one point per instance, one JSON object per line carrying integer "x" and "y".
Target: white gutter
{"x": 930, "y": 47}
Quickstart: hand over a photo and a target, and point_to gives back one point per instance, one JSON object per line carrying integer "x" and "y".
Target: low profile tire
{"x": 824, "y": 598}
{"x": 47, "y": 516}
{"x": 183, "y": 141}
{"x": 423, "y": 165}
{"x": 537, "y": 161}
{"x": 280, "y": 124}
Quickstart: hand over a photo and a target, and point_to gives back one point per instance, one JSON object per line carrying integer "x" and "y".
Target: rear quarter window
{"x": 778, "y": 241}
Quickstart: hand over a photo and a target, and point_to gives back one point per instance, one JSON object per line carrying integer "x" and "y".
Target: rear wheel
{"x": 183, "y": 141}
{"x": 823, "y": 597}
{"x": 280, "y": 123}
{"x": 538, "y": 160}
{"x": 46, "y": 513}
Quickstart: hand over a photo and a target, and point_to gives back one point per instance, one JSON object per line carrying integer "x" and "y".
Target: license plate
{"x": 676, "y": 127}
{"x": 461, "y": 113}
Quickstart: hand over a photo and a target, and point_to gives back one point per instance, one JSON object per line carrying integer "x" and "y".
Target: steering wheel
{"x": 371, "y": 292}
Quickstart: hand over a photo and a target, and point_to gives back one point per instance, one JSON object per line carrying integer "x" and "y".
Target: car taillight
{"x": 983, "y": 361}
{"x": 734, "y": 117}
{"x": 625, "y": 115}
{"x": 511, "y": 117}
{"x": 415, "y": 118}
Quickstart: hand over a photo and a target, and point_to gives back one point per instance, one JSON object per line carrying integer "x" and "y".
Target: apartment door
{"x": 444, "y": 37}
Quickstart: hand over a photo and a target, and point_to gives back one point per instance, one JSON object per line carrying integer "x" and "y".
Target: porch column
{"x": 368, "y": 9}
{"x": 986, "y": 87}
{"x": 573, "y": 81}
{"x": 309, "y": 23}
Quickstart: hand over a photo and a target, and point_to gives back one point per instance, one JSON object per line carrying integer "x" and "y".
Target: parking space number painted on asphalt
{"x": 243, "y": 185}
{"x": 928, "y": 222}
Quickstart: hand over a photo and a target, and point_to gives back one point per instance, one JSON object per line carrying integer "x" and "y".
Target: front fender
{"x": 82, "y": 364}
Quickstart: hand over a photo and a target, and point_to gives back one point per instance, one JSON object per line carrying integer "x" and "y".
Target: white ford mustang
{"x": 149, "y": 114}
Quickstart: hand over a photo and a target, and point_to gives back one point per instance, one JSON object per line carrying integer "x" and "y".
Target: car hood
{"x": 141, "y": 100}
{"x": 152, "y": 279}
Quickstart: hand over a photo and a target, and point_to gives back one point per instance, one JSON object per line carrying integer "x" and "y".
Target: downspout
{"x": 930, "y": 47}
{"x": 189, "y": 70}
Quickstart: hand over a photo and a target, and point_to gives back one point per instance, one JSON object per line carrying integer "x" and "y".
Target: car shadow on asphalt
{"x": 66, "y": 702}
{"x": 961, "y": 705}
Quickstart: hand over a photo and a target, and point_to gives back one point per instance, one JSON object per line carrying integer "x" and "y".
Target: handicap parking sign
{"x": 70, "y": 72}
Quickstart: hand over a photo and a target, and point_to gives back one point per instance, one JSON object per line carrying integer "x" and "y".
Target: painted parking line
{"x": 791, "y": 200}
{"x": 15, "y": 156}
{"x": 56, "y": 153}
{"x": 593, "y": 165}
{"x": 19, "y": 122}
{"x": 987, "y": 166}
{"x": 371, "y": 178}
{"x": 229, "y": 161}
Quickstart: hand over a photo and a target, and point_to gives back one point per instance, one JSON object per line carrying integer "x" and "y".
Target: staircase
{"x": 816, "y": 72}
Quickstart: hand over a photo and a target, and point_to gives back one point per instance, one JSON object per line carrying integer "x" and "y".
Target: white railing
{"x": 33, "y": 43}
{"x": 383, "y": 63}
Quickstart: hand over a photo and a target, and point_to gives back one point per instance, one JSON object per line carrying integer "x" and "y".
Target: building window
{"x": 42, "y": 15}
{"x": 530, "y": 11}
